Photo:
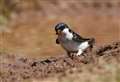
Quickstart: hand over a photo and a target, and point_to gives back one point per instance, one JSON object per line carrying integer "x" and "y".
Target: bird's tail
{"x": 91, "y": 42}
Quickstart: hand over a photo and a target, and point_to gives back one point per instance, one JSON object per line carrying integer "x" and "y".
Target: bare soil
{"x": 14, "y": 68}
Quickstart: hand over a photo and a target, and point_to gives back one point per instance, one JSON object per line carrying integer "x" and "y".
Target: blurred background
{"x": 27, "y": 26}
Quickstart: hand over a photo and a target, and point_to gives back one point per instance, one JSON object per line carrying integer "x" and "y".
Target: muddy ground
{"x": 14, "y": 68}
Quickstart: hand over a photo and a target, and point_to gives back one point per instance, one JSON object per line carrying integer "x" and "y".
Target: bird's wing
{"x": 78, "y": 38}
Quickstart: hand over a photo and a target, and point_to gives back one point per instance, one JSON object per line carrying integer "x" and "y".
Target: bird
{"x": 70, "y": 41}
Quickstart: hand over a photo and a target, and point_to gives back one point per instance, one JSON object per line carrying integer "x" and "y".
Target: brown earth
{"x": 28, "y": 39}
{"x": 24, "y": 69}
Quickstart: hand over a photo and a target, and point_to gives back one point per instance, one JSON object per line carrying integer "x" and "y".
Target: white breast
{"x": 70, "y": 45}
{"x": 67, "y": 44}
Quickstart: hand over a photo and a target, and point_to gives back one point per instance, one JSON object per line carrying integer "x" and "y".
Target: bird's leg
{"x": 69, "y": 54}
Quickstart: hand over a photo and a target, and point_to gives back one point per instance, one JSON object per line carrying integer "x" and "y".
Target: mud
{"x": 15, "y": 68}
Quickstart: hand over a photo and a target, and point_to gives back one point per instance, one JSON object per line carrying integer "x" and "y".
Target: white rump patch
{"x": 79, "y": 52}
{"x": 84, "y": 45}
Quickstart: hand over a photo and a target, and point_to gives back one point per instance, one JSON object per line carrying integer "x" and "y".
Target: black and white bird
{"x": 71, "y": 41}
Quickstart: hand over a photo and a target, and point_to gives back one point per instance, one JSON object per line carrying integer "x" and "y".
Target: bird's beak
{"x": 58, "y": 32}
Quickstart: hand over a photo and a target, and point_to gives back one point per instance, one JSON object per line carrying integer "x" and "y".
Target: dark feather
{"x": 91, "y": 42}
{"x": 57, "y": 41}
{"x": 78, "y": 38}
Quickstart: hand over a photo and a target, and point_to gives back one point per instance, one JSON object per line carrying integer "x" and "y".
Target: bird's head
{"x": 61, "y": 28}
